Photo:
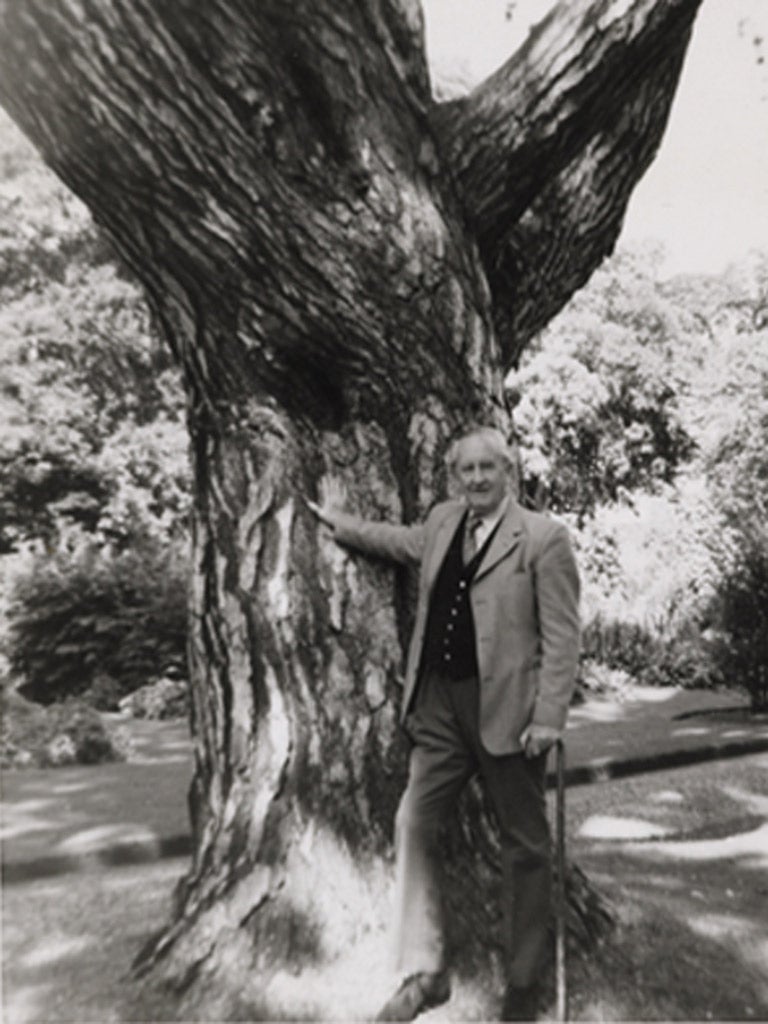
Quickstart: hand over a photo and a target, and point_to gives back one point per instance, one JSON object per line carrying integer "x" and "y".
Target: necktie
{"x": 473, "y": 534}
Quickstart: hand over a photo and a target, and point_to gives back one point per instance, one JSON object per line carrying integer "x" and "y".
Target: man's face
{"x": 482, "y": 475}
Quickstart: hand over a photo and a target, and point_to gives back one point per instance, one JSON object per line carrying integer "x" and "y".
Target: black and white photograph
{"x": 383, "y": 511}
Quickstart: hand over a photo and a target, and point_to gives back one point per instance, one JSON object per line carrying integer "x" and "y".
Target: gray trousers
{"x": 446, "y": 753}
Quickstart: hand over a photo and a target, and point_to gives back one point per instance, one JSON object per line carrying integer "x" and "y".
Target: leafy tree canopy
{"x": 91, "y": 416}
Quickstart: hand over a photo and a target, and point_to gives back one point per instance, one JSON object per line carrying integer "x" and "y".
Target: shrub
{"x": 167, "y": 698}
{"x": 682, "y": 658}
{"x": 66, "y": 733}
{"x": 76, "y": 618}
{"x": 738, "y": 473}
{"x": 616, "y": 644}
{"x": 104, "y": 693}
{"x": 598, "y": 679}
{"x": 741, "y": 607}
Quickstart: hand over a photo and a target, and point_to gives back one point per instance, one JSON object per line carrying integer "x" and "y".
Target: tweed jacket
{"x": 524, "y": 599}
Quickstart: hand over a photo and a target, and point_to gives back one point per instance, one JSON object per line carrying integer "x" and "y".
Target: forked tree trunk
{"x": 345, "y": 271}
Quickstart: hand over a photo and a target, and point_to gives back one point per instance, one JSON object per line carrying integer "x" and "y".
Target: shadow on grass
{"x": 658, "y": 968}
{"x": 659, "y": 963}
{"x": 690, "y": 943}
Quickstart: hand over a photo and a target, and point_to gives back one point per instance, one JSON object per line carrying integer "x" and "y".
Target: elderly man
{"x": 489, "y": 678}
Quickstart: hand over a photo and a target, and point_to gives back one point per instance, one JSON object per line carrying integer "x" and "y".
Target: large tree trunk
{"x": 345, "y": 270}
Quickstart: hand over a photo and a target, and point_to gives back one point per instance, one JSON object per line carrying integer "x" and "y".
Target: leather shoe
{"x": 419, "y": 992}
{"x": 520, "y": 1004}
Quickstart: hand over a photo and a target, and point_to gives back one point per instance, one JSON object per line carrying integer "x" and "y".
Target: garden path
{"x": 56, "y": 820}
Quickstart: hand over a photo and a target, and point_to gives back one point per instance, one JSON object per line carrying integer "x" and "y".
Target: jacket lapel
{"x": 506, "y": 538}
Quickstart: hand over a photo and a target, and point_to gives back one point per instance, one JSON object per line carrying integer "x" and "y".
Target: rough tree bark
{"x": 345, "y": 269}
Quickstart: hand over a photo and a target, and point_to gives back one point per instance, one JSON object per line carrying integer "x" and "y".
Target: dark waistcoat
{"x": 449, "y": 638}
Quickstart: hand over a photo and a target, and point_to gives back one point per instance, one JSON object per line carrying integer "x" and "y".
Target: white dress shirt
{"x": 486, "y": 523}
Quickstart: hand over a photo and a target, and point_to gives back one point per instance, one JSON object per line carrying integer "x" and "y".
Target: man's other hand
{"x": 536, "y": 739}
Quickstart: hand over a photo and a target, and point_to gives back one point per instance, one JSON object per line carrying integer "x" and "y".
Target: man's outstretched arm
{"x": 385, "y": 540}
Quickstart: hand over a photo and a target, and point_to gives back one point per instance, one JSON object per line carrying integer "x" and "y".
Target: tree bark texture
{"x": 345, "y": 269}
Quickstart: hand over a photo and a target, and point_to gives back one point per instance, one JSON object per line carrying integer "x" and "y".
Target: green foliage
{"x": 739, "y": 476}
{"x": 43, "y": 226}
{"x": 91, "y": 415}
{"x": 643, "y": 413}
{"x": 104, "y": 693}
{"x": 596, "y": 403}
{"x": 76, "y": 617}
{"x": 66, "y": 733}
{"x": 737, "y": 464}
{"x": 93, "y": 451}
{"x": 741, "y": 648}
{"x": 679, "y": 659}
{"x": 737, "y": 471}
{"x": 167, "y": 698}
{"x": 649, "y": 562}
{"x": 92, "y": 433}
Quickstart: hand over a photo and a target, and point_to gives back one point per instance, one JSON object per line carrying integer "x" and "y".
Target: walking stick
{"x": 560, "y": 901}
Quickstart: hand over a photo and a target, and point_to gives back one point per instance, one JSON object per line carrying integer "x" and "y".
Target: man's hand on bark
{"x": 333, "y": 498}
{"x": 538, "y": 738}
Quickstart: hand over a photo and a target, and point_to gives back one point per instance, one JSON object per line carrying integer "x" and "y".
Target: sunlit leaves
{"x": 92, "y": 432}
{"x": 597, "y": 411}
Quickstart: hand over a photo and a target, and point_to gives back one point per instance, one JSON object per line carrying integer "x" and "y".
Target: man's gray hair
{"x": 492, "y": 437}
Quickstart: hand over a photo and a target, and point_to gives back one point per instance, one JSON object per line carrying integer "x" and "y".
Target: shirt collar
{"x": 489, "y": 519}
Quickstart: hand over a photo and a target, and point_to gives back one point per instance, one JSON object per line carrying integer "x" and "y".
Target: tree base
{"x": 315, "y": 946}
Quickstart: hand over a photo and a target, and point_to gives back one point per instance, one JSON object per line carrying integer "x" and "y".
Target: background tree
{"x": 92, "y": 434}
{"x": 737, "y": 467}
{"x": 596, "y": 396}
{"x": 344, "y": 270}
{"x": 94, "y": 473}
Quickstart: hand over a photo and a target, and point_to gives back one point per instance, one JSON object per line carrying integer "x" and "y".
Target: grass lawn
{"x": 683, "y": 855}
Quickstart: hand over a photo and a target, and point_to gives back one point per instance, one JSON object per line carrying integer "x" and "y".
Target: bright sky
{"x": 706, "y": 194}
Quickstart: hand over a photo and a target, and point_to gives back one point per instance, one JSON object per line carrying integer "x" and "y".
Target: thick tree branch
{"x": 274, "y": 204}
{"x": 547, "y": 151}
